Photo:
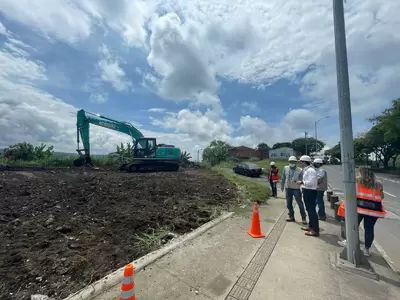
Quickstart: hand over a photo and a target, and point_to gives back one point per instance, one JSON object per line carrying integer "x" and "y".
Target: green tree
{"x": 281, "y": 145}
{"x": 216, "y": 152}
{"x": 124, "y": 153}
{"x": 313, "y": 145}
{"x": 185, "y": 157}
{"x": 26, "y": 151}
{"x": 334, "y": 152}
{"x": 381, "y": 145}
{"x": 263, "y": 147}
{"x": 388, "y": 126}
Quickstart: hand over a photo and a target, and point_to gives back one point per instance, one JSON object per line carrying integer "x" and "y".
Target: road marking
{"x": 378, "y": 247}
{"x": 389, "y": 194}
{"x": 385, "y": 256}
{"x": 387, "y": 179}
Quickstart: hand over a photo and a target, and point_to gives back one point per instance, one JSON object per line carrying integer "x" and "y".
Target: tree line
{"x": 382, "y": 140}
{"x": 218, "y": 151}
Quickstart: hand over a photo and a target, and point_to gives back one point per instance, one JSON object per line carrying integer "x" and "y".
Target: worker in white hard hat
{"x": 309, "y": 184}
{"x": 321, "y": 188}
{"x": 290, "y": 175}
{"x": 273, "y": 178}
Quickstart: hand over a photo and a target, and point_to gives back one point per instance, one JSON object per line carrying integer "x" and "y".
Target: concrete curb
{"x": 379, "y": 248}
{"x": 115, "y": 277}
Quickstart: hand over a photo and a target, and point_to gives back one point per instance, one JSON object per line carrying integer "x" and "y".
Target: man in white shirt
{"x": 309, "y": 184}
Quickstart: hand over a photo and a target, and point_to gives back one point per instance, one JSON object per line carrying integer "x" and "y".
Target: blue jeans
{"x": 273, "y": 188}
{"x": 290, "y": 193}
{"x": 309, "y": 200}
{"x": 320, "y": 203}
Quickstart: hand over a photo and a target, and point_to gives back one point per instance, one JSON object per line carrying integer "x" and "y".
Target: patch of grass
{"x": 153, "y": 240}
{"x": 280, "y": 163}
{"x": 249, "y": 191}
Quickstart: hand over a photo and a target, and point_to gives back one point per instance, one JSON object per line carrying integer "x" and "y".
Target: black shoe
{"x": 322, "y": 218}
{"x": 290, "y": 219}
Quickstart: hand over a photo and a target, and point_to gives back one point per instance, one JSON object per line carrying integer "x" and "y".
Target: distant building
{"x": 281, "y": 153}
{"x": 244, "y": 152}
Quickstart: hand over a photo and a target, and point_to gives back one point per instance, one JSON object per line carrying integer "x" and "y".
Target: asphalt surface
{"x": 387, "y": 231}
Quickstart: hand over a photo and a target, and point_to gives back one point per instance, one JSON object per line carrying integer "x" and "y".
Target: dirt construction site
{"x": 62, "y": 229}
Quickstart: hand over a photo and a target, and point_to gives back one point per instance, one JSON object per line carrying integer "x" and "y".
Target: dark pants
{"x": 321, "y": 204}
{"x": 369, "y": 224}
{"x": 309, "y": 197}
{"x": 290, "y": 193}
{"x": 273, "y": 188}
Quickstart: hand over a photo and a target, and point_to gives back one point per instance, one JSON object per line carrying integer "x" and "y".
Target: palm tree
{"x": 185, "y": 157}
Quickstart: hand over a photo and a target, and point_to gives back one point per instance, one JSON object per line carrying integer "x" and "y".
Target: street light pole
{"x": 315, "y": 127}
{"x": 305, "y": 136}
{"x": 346, "y": 135}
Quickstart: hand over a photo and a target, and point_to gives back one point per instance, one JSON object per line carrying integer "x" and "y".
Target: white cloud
{"x": 60, "y": 19}
{"x": 178, "y": 56}
{"x": 250, "y": 106}
{"x": 191, "y": 44}
{"x": 157, "y": 110}
{"x": 3, "y": 30}
{"x": 111, "y": 71}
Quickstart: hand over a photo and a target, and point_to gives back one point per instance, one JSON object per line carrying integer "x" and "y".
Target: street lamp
{"x": 315, "y": 127}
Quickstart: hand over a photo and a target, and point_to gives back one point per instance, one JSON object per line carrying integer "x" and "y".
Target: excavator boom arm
{"x": 84, "y": 119}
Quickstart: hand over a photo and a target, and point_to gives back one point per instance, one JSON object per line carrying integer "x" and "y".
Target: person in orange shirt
{"x": 369, "y": 205}
{"x": 273, "y": 178}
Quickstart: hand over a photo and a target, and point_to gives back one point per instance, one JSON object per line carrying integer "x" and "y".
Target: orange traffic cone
{"x": 255, "y": 228}
{"x": 128, "y": 284}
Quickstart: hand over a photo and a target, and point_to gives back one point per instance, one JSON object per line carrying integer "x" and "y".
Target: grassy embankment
{"x": 58, "y": 161}
{"x": 250, "y": 190}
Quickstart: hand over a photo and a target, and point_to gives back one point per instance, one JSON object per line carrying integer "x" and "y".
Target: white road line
{"x": 383, "y": 253}
{"x": 378, "y": 247}
{"x": 389, "y": 194}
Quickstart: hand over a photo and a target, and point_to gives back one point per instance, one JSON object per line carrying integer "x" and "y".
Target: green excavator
{"x": 147, "y": 155}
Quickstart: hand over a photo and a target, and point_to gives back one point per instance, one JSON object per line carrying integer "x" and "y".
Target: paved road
{"x": 387, "y": 232}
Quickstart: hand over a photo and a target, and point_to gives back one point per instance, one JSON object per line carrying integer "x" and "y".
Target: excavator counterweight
{"x": 147, "y": 155}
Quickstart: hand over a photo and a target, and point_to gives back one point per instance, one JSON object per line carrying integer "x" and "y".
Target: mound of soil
{"x": 61, "y": 230}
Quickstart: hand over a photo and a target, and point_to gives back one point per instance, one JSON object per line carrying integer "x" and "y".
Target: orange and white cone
{"x": 128, "y": 284}
{"x": 255, "y": 227}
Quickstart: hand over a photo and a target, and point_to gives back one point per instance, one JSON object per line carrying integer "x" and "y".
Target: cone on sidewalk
{"x": 255, "y": 227}
{"x": 128, "y": 284}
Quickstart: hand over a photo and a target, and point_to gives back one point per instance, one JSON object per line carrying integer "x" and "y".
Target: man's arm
{"x": 321, "y": 175}
{"x": 283, "y": 178}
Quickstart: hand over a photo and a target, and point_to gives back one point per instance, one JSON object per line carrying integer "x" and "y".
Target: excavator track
{"x": 150, "y": 167}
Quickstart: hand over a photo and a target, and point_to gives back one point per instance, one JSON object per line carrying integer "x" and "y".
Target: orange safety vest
{"x": 273, "y": 174}
{"x": 369, "y": 203}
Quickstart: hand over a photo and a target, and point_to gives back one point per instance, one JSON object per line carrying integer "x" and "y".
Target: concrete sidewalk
{"x": 226, "y": 263}
{"x": 208, "y": 266}
{"x": 300, "y": 268}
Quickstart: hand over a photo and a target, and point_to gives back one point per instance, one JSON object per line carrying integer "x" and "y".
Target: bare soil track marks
{"x": 63, "y": 229}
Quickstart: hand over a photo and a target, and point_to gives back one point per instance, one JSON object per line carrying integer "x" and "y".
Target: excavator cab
{"x": 145, "y": 148}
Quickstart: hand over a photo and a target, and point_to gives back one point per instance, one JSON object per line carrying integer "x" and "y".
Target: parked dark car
{"x": 248, "y": 169}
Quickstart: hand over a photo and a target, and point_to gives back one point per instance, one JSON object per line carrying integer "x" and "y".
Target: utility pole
{"x": 315, "y": 127}
{"x": 346, "y": 135}
{"x": 305, "y": 136}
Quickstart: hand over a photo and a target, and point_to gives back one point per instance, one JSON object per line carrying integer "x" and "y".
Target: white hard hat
{"x": 292, "y": 158}
{"x": 305, "y": 158}
{"x": 272, "y": 163}
{"x": 318, "y": 161}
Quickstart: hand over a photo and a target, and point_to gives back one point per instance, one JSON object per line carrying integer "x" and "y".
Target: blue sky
{"x": 188, "y": 72}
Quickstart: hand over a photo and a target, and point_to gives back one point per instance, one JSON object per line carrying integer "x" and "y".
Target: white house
{"x": 281, "y": 153}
